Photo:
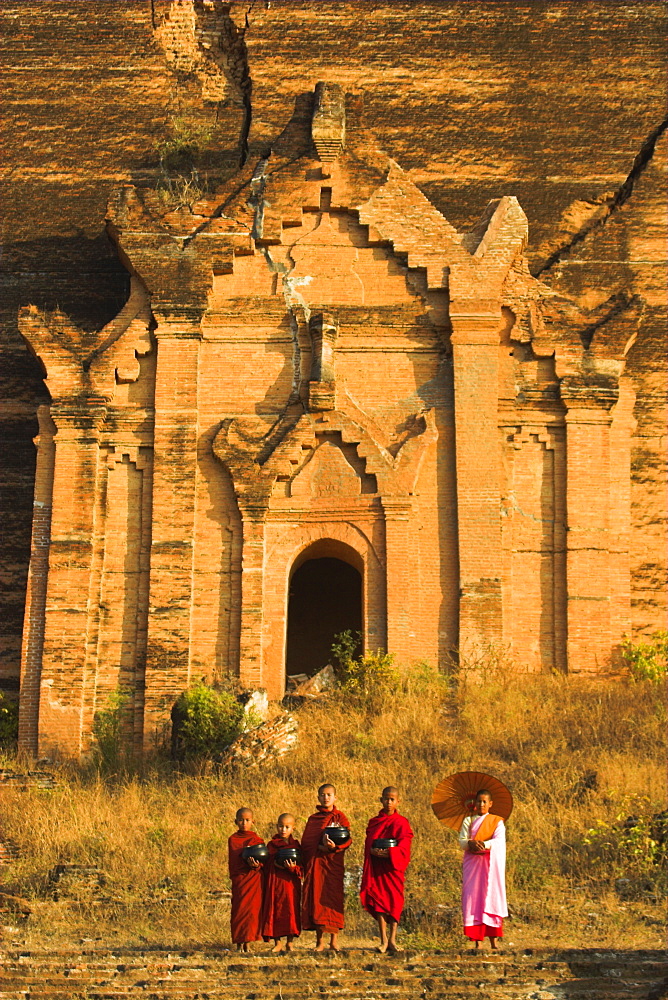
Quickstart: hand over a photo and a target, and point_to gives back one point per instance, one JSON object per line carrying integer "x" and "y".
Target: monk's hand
{"x": 474, "y": 847}
{"x": 253, "y": 863}
{"x": 290, "y": 865}
{"x": 329, "y": 843}
{"x": 381, "y": 852}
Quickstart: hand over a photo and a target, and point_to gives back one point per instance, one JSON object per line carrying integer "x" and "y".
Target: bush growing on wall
{"x": 9, "y": 721}
{"x": 647, "y": 661}
{"x": 108, "y": 739}
{"x": 208, "y": 721}
{"x": 368, "y": 678}
{"x": 630, "y": 851}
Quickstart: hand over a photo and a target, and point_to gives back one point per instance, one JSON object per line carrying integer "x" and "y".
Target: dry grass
{"x": 574, "y": 752}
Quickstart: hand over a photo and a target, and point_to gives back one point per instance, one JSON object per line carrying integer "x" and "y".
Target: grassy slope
{"x": 548, "y": 738}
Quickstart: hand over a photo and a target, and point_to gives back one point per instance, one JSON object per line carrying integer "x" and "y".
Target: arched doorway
{"x": 325, "y": 598}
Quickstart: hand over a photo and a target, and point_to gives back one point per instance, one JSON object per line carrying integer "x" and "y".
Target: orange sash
{"x": 487, "y": 827}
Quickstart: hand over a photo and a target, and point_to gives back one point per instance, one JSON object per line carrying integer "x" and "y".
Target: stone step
{"x": 297, "y": 965}
{"x": 356, "y": 975}
{"x": 573, "y": 991}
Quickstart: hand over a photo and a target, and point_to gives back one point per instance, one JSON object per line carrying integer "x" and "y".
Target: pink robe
{"x": 484, "y": 883}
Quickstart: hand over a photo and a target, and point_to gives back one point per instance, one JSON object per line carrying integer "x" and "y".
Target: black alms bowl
{"x": 258, "y": 851}
{"x": 382, "y": 843}
{"x": 284, "y": 854}
{"x": 338, "y": 834}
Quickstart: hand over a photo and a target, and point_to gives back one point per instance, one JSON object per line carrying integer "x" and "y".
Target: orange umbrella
{"x": 454, "y": 797}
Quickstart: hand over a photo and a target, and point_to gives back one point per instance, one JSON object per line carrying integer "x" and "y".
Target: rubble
{"x": 33, "y": 779}
{"x": 303, "y": 686}
{"x": 17, "y": 905}
{"x": 265, "y": 743}
{"x": 257, "y": 702}
{"x": 9, "y": 851}
{"x": 68, "y": 881}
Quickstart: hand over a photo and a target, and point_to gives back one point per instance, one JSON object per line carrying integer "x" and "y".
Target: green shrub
{"x": 182, "y": 154}
{"x": 109, "y": 740}
{"x": 184, "y": 146}
{"x": 368, "y": 679}
{"x": 207, "y": 721}
{"x": 9, "y": 721}
{"x": 629, "y": 850}
{"x": 647, "y": 661}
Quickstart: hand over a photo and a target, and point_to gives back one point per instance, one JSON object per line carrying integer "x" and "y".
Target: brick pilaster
{"x": 252, "y": 598}
{"x": 173, "y": 518}
{"x": 588, "y": 537}
{"x": 475, "y": 344}
{"x": 34, "y": 620}
{"x": 400, "y": 582}
{"x": 71, "y": 555}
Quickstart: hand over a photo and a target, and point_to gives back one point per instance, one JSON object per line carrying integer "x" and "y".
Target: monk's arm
{"x": 400, "y": 855}
{"x": 464, "y": 831}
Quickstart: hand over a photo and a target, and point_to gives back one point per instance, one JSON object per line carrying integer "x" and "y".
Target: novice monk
{"x": 483, "y": 840}
{"x": 382, "y": 892}
{"x": 282, "y": 889}
{"x": 246, "y": 878}
{"x": 322, "y": 898}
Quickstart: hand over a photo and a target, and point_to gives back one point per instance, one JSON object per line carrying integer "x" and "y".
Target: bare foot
{"x": 289, "y": 946}
{"x": 393, "y": 950}
{"x": 381, "y": 949}
{"x": 320, "y": 946}
{"x": 278, "y": 948}
{"x": 335, "y": 949}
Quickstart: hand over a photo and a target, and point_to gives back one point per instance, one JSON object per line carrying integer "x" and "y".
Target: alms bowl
{"x": 338, "y": 834}
{"x": 258, "y": 851}
{"x": 284, "y": 854}
{"x": 382, "y": 843}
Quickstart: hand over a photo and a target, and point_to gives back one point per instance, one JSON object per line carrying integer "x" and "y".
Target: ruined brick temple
{"x": 320, "y": 406}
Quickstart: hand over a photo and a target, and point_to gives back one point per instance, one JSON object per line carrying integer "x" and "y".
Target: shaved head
{"x": 244, "y": 811}
{"x": 326, "y": 787}
{"x": 390, "y": 790}
{"x": 286, "y": 817}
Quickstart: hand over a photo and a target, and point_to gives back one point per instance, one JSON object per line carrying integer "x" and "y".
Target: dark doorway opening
{"x": 325, "y": 598}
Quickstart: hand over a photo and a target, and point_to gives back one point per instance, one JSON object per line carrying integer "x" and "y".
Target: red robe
{"x": 246, "y": 889}
{"x": 322, "y": 898}
{"x": 382, "y": 890}
{"x": 282, "y": 894}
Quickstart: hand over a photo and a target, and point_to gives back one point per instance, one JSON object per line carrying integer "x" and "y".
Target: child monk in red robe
{"x": 281, "y": 910}
{"x": 382, "y": 891}
{"x": 246, "y": 876}
{"x": 322, "y": 897}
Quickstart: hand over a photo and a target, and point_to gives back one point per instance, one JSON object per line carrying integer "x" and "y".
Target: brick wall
{"x": 477, "y": 398}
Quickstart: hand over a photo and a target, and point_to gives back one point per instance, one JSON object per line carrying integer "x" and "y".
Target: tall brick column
{"x": 588, "y": 534}
{"x": 173, "y": 518}
{"x": 34, "y": 620}
{"x": 400, "y": 582}
{"x": 69, "y": 622}
{"x": 252, "y": 597}
{"x": 475, "y": 346}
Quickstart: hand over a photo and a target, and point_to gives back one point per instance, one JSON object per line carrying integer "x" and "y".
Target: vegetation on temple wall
{"x": 367, "y": 679}
{"x": 9, "y": 721}
{"x": 647, "y": 660}
{"x": 207, "y": 721}
{"x": 110, "y": 738}
{"x": 182, "y": 180}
